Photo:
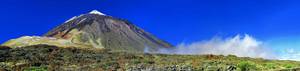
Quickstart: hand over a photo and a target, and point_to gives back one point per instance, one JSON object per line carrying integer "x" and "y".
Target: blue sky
{"x": 176, "y": 21}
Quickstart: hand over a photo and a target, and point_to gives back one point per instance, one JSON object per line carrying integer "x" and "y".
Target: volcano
{"x": 103, "y": 31}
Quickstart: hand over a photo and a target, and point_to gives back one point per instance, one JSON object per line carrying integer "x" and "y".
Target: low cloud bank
{"x": 290, "y": 54}
{"x": 242, "y": 46}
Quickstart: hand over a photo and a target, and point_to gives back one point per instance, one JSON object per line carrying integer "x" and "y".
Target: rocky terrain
{"x": 52, "y": 58}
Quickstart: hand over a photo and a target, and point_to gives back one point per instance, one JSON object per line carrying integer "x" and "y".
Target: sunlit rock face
{"x": 102, "y": 31}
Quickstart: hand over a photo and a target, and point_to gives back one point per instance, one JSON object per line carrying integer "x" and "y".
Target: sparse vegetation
{"x": 44, "y": 57}
{"x": 36, "y": 69}
{"x": 247, "y": 66}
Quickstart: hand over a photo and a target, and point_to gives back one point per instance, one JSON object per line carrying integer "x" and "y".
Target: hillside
{"x": 45, "y": 57}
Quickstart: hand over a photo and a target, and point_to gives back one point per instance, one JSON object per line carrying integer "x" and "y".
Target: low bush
{"x": 247, "y": 66}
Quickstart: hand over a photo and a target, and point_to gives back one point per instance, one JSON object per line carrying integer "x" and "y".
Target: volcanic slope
{"x": 102, "y": 31}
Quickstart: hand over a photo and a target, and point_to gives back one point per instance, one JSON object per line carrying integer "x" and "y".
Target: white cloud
{"x": 242, "y": 46}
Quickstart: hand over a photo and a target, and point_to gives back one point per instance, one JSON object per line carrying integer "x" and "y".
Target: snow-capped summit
{"x": 96, "y": 12}
{"x": 97, "y": 30}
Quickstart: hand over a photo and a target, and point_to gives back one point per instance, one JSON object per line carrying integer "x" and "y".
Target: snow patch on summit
{"x": 96, "y": 12}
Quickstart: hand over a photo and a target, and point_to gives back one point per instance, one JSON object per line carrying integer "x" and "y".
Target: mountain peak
{"x": 100, "y": 31}
{"x": 96, "y": 12}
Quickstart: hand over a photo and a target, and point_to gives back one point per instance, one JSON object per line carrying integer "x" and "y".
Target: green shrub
{"x": 246, "y": 66}
{"x": 288, "y": 66}
{"x": 136, "y": 61}
{"x": 36, "y": 69}
{"x": 270, "y": 65}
